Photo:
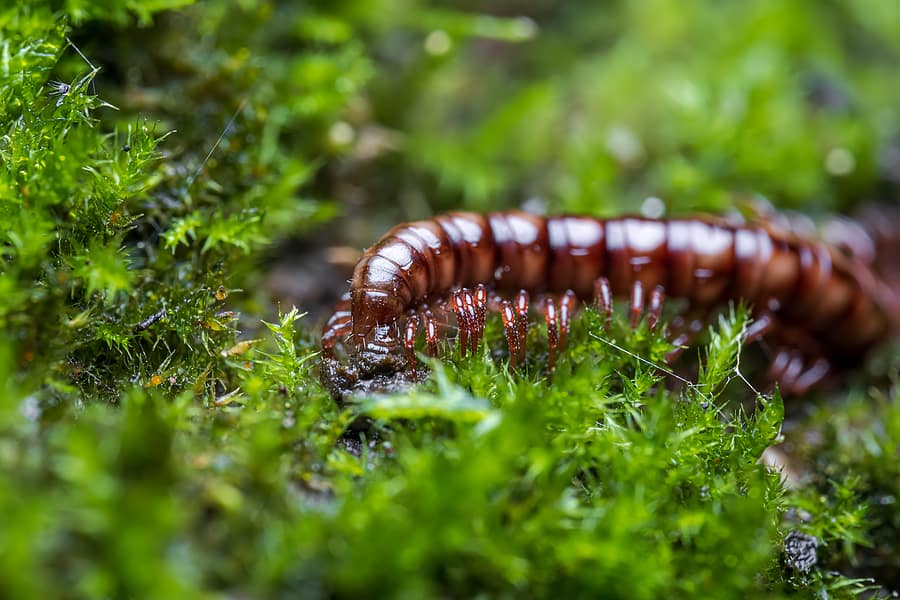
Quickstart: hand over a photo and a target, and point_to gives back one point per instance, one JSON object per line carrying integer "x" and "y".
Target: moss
{"x": 162, "y": 429}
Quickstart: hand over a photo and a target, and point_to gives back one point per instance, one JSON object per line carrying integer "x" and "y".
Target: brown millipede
{"x": 820, "y": 302}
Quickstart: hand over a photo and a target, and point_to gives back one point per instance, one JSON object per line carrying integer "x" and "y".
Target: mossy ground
{"x": 162, "y": 429}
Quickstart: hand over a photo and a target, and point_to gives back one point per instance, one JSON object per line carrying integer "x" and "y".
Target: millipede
{"x": 821, "y": 301}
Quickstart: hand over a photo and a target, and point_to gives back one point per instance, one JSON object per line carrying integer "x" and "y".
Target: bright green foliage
{"x": 698, "y": 105}
{"x": 153, "y": 154}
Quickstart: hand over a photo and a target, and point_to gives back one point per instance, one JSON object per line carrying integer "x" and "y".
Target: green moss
{"x": 162, "y": 429}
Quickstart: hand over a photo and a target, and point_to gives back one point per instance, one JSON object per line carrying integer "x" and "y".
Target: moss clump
{"x": 162, "y": 429}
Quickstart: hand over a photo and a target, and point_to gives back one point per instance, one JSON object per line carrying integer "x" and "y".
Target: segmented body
{"x": 821, "y": 303}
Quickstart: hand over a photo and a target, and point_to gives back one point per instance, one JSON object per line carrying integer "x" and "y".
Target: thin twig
{"x": 94, "y": 70}
{"x": 218, "y": 141}
{"x": 662, "y": 368}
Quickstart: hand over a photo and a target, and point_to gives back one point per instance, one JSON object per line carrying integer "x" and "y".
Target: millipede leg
{"x": 552, "y": 332}
{"x": 811, "y": 376}
{"x": 481, "y": 302}
{"x": 793, "y": 370}
{"x": 566, "y": 309}
{"x": 637, "y": 303}
{"x": 336, "y": 329}
{"x": 758, "y": 328}
{"x": 474, "y": 321}
{"x": 328, "y": 340}
{"x": 338, "y": 326}
{"x": 409, "y": 342}
{"x": 778, "y": 366}
{"x": 683, "y": 339}
{"x": 462, "y": 321}
{"x": 657, "y": 296}
{"x": 431, "y": 334}
{"x": 603, "y": 299}
{"x": 509, "y": 327}
{"x": 521, "y": 322}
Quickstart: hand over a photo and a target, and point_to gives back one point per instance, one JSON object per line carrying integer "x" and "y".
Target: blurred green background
{"x": 176, "y": 173}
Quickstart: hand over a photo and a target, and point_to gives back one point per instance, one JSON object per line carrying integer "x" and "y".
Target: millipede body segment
{"x": 820, "y": 304}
